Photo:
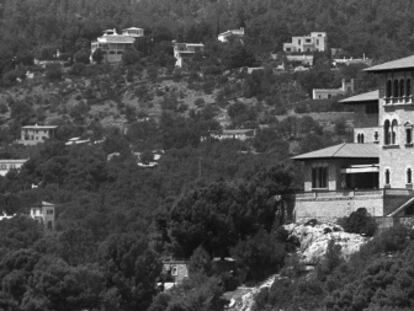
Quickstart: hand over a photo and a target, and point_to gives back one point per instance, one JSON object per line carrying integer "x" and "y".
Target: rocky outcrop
{"x": 314, "y": 241}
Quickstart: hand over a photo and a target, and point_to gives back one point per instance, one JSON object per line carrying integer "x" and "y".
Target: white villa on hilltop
{"x": 315, "y": 42}
{"x": 31, "y": 135}
{"x": 113, "y": 45}
{"x": 376, "y": 170}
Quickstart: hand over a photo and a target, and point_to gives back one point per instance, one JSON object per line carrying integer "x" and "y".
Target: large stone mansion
{"x": 376, "y": 170}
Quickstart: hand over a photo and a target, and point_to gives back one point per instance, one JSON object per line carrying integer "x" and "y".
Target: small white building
{"x": 225, "y": 36}
{"x": 134, "y": 32}
{"x": 346, "y": 88}
{"x": 31, "y": 135}
{"x": 185, "y": 50}
{"x": 352, "y": 61}
{"x": 7, "y": 165}
{"x": 113, "y": 45}
{"x": 239, "y": 134}
{"x": 304, "y": 60}
{"x": 44, "y": 214}
{"x": 77, "y": 141}
{"x": 315, "y": 42}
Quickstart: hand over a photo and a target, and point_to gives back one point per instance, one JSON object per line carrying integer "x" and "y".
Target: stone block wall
{"x": 329, "y": 209}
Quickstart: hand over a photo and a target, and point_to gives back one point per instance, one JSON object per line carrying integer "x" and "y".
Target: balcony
{"x": 394, "y": 101}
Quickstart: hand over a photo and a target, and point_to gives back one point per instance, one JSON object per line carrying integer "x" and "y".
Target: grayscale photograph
{"x": 206, "y": 155}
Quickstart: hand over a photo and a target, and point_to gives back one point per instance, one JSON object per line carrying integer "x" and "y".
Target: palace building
{"x": 376, "y": 170}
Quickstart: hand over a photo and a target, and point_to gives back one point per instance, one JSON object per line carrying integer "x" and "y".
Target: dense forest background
{"x": 379, "y": 28}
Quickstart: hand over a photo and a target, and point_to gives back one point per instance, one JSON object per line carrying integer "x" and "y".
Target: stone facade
{"x": 329, "y": 206}
{"x": 396, "y": 108}
{"x": 383, "y": 118}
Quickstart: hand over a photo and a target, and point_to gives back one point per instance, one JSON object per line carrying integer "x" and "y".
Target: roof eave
{"x": 333, "y": 158}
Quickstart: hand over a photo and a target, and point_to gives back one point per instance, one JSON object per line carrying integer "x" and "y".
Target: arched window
{"x": 409, "y": 176}
{"x": 395, "y": 90}
{"x": 358, "y": 138}
{"x": 402, "y": 86}
{"x": 408, "y": 87}
{"x": 388, "y": 92}
{"x": 387, "y": 177}
{"x": 387, "y": 133}
{"x": 361, "y": 138}
{"x": 394, "y": 129}
{"x": 408, "y": 135}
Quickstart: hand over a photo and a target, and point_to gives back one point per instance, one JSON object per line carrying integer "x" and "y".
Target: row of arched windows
{"x": 409, "y": 176}
{"x": 390, "y": 132}
{"x": 398, "y": 88}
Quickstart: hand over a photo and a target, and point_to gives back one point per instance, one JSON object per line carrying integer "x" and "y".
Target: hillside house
{"x": 347, "y": 88}
{"x": 183, "y": 51}
{"x": 374, "y": 172}
{"x": 239, "y": 134}
{"x": 315, "y": 42}
{"x": 6, "y": 165}
{"x": 133, "y": 32}
{"x": 233, "y": 33}
{"x": 352, "y": 61}
{"x": 113, "y": 45}
{"x": 173, "y": 273}
{"x": 31, "y": 135}
{"x": 44, "y": 213}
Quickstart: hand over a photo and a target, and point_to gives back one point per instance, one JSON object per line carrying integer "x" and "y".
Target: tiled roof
{"x": 364, "y": 97}
{"x": 402, "y": 63}
{"x": 341, "y": 151}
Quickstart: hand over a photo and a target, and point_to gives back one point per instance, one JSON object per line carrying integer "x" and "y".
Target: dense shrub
{"x": 359, "y": 222}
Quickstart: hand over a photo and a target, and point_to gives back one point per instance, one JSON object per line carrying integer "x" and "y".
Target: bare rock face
{"x": 314, "y": 241}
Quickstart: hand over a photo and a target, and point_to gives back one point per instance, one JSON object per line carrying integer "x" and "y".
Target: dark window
{"x": 389, "y": 89}
{"x": 387, "y": 177}
{"x": 408, "y": 136}
{"x": 409, "y": 176}
{"x": 360, "y": 138}
{"x": 402, "y": 85}
{"x": 395, "y": 91}
{"x": 376, "y": 136}
{"x": 387, "y": 133}
{"x": 320, "y": 177}
{"x": 408, "y": 87}
{"x": 394, "y": 129}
